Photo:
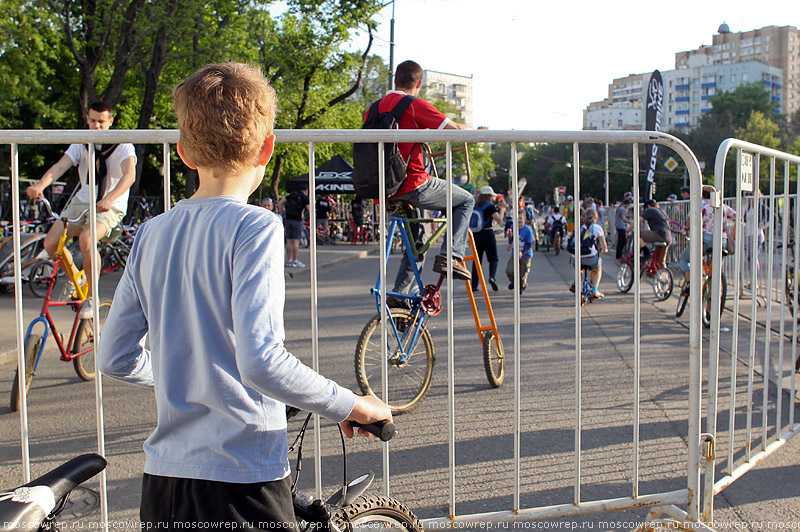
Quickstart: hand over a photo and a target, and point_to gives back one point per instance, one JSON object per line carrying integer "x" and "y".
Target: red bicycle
{"x": 653, "y": 267}
{"x": 80, "y": 348}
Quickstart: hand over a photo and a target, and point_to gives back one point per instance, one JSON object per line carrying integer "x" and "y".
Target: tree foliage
{"x": 57, "y": 56}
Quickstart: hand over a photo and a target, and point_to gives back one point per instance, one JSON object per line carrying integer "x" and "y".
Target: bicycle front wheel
{"x": 32, "y": 345}
{"x": 84, "y": 341}
{"x": 369, "y": 513}
{"x": 494, "y": 359}
{"x": 409, "y": 377}
{"x": 624, "y": 277}
{"x": 37, "y": 281}
{"x": 662, "y": 284}
{"x": 683, "y": 299}
{"x": 707, "y": 305}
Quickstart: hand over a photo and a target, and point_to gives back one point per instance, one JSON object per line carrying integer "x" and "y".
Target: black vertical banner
{"x": 652, "y": 122}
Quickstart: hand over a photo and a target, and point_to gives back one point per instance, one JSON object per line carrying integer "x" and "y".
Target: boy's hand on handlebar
{"x": 367, "y": 409}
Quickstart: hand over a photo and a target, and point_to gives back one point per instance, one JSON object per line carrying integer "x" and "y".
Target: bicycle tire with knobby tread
{"x": 494, "y": 359}
{"x": 84, "y": 365}
{"x": 382, "y": 510}
{"x": 32, "y": 345}
{"x": 402, "y": 406}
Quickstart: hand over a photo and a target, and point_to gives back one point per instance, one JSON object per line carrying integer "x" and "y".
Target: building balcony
{"x": 709, "y": 85}
{"x": 682, "y": 99}
{"x": 682, "y": 112}
{"x": 682, "y": 87}
{"x": 682, "y": 124}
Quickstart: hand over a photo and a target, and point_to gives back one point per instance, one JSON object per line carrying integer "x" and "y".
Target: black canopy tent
{"x": 332, "y": 177}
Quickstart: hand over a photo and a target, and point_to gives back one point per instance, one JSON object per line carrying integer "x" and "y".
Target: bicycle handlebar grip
{"x": 384, "y": 430}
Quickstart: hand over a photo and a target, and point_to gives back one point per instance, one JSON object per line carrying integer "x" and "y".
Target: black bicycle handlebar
{"x": 385, "y": 430}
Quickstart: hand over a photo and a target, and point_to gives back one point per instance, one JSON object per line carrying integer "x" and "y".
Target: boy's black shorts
{"x": 190, "y": 504}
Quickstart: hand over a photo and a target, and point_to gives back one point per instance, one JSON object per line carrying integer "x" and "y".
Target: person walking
{"x": 484, "y": 214}
{"x": 621, "y": 222}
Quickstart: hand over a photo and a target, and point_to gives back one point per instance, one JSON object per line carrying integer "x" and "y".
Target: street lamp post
{"x": 391, "y": 48}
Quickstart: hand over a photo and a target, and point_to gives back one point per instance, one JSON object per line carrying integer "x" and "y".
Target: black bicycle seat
{"x": 26, "y": 507}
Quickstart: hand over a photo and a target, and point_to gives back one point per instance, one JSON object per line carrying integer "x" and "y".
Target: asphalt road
{"x": 62, "y": 412}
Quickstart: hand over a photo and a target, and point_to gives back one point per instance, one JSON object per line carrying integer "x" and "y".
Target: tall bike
{"x": 411, "y": 353}
{"x": 80, "y": 348}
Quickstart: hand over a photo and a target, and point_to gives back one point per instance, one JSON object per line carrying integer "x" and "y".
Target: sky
{"x": 537, "y": 64}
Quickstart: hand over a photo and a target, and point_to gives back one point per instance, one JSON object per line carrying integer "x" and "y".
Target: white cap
{"x": 487, "y": 190}
{"x": 569, "y": 198}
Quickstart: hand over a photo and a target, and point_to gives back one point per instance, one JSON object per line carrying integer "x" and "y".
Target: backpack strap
{"x": 401, "y": 106}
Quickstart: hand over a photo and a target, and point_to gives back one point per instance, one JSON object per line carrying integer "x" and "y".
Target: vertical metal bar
{"x": 768, "y": 336}
{"x": 606, "y": 204}
{"x": 713, "y": 342}
{"x": 517, "y": 343}
{"x": 753, "y": 313}
{"x": 95, "y": 286}
{"x": 451, "y": 375}
{"x": 695, "y": 344}
{"x": 782, "y": 297}
{"x": 637, "y": 319}
{"x": 737, "y": 291}
{"x": 384, "y": 315}
{"x": 167, "y": 179}
{"x": 312, "y": 242}
{"x": 795, "y": 273}
{"x": 23, "y": 407}
{"x": 576, "y": 179}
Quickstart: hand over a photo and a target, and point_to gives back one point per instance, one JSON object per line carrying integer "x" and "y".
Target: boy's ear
{"x": 265, "y": 154}
{"x": 184, "y": 158}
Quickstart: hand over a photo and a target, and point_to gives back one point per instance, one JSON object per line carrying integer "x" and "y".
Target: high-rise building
{"x": 777, "y": 46}
{"x": 769, "y": 56}
{"x": 453, "y": 88}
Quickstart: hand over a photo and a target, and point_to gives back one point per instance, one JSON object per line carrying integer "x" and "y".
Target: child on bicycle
{"x": 205, "y": 282}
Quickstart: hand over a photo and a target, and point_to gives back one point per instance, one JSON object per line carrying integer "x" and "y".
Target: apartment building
{"x": 453, "y": 88}
{"x": 777, "y": 46}
{"x": 769, "y": 56}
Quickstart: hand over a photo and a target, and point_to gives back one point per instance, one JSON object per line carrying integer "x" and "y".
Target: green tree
{"x": 303, "y": 58}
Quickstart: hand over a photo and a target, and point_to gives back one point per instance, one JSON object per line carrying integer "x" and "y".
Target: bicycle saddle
{"x": 26, "y": 507}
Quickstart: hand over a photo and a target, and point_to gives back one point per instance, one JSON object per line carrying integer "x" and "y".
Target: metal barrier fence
{"x": 687, "y": 496}
{"x": 779, "y": 217}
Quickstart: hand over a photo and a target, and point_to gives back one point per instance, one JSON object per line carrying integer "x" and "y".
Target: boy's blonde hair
{"x": 225, "y": 112}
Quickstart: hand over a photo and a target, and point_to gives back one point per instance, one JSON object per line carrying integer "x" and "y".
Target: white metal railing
{"x": 577, "y": 506}
{"x": 739, "y": 460}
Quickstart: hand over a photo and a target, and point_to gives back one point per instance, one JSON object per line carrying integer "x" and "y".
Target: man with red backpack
{"x": 420, "y": 189}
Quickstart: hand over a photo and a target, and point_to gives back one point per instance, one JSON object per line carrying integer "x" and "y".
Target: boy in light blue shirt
{"x": 205, "y": 282}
